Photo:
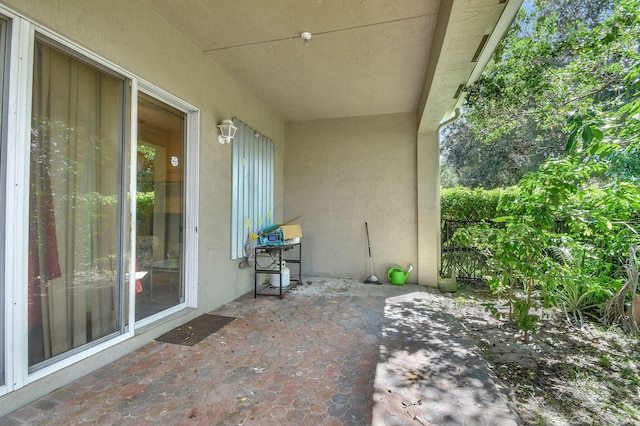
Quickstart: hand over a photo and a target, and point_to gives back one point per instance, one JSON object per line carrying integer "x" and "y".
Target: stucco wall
{"x": 429, "y": 207}
{"x": 341, "y": 173}
{"x": 131, "y": 36}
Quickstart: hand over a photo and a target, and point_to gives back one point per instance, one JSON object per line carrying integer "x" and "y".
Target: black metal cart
{"x": 269, "y": 261}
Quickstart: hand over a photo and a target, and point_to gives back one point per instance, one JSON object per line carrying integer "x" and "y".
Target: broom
{"x": 371, "y": 279}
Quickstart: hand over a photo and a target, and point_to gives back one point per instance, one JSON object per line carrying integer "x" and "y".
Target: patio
{"x": 333, "y": 352}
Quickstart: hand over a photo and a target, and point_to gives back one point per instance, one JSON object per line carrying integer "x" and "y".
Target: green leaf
{"x": 570, "y": 148}
{"x": 502, "y": 219}
{"x": 587, "y": 135}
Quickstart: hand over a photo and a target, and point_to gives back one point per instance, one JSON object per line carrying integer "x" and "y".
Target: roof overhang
{"x": 467, "y": 35}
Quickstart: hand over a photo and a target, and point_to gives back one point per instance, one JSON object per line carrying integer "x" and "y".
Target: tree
{"x": 592, "y": 189}
{"x": 501, "y": 163}
{"x": 559, "y": 57}
{"x": 448, "y": 177}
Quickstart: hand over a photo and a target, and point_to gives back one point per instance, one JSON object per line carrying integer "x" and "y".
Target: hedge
{"x": 473, "y": 204}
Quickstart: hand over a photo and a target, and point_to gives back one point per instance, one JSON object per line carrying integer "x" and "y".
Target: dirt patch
{"x": 566, "y": 374}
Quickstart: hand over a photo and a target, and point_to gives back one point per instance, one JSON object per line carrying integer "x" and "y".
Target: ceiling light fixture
{"x": 305, "y": 36}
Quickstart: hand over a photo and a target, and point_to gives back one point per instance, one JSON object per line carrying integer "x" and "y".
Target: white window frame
{"x": 7, "y": 231}
{"x": 17, "y": 176}
{"x": 17, "y": 153}
{"x": 191, "y": 199}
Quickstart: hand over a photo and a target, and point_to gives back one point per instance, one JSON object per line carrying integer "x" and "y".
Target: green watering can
{"x": 397, "y": 276}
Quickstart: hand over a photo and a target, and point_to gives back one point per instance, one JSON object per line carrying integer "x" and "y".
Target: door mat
{"x": 194, "y": 331}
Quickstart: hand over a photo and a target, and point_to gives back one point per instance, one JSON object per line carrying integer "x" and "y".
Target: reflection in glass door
{"x": 74, "y": 266}
{"x": 160, "y": 206}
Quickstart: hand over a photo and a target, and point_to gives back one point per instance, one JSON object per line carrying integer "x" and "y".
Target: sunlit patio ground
{"x": 332, "y": 352}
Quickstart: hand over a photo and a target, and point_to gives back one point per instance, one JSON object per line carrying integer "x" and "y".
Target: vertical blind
{"x": 252, "y": 191}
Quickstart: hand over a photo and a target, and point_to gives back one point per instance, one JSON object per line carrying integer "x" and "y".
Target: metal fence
{"x": 469, "y": 263}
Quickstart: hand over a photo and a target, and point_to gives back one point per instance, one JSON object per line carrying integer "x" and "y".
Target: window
{"x": 253, "y": 180}
{"x": 75, "y": 277}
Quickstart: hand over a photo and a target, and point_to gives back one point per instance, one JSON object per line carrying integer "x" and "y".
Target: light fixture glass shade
{"x": 305, "y": 36}
{"x": 227, "y": 131}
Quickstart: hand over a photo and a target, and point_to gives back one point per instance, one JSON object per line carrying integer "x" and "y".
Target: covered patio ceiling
{"x": 364, "y": 57}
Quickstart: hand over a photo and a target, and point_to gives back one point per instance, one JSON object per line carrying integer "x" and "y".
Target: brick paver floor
{"x": 333, "y": 352}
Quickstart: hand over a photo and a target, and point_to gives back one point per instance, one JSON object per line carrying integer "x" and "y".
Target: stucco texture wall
{"x": 133, "y": 37}
{"x": 341, "y": 173}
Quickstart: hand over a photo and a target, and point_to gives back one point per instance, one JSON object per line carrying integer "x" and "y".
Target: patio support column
{"x": 428, "y": 184}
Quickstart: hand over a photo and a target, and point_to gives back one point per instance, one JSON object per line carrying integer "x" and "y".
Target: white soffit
{"x": 467, "y": 35}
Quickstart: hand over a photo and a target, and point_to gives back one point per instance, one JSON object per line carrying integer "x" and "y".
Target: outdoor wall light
{"x": 227, "y": 131}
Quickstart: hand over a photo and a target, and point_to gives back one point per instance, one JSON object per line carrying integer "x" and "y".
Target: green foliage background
{"x": 559, "y": 60}
{"x": 570, "y": 82}
{"x": 477, "y": 204}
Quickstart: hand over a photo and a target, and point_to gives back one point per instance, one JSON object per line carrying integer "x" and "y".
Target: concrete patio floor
{"x": 333, "y": 352}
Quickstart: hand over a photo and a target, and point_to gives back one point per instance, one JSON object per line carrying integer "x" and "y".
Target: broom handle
{"x": 366, "y": 225}
{"x": 290, "y": 220}
{"x": 272, "y": 227}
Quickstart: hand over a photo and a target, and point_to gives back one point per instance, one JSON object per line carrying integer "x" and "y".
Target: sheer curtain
{"x": 74, "y": 245}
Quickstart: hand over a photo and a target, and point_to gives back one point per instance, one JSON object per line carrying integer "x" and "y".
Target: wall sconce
{"x": 227, "y": 131}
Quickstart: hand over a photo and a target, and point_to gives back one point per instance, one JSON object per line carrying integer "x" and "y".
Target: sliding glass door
{"x": 160, "y": 206}
{"x": 75, "y": 276}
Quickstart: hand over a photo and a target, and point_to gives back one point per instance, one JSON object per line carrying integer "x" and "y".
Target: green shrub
{"x": 473, "y": 204}
{"x": 144, "y": 204}
{"x": 535, "y": 262}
